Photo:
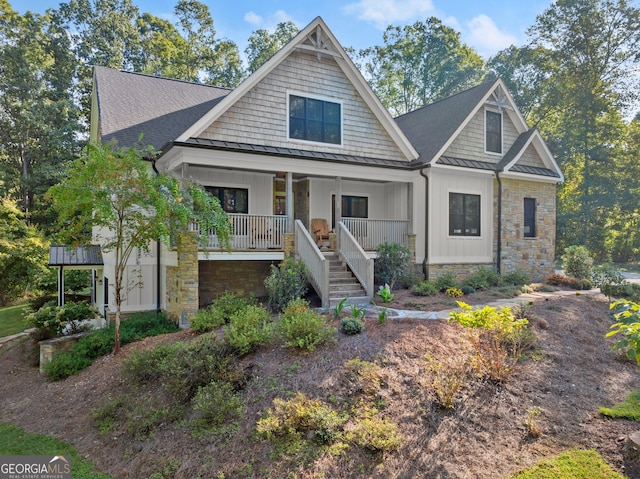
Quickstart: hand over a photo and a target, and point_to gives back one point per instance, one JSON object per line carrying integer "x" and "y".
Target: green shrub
{"x": 516, "y": 278}
{"x": 102, "y": 341}
{"x": 286, "y": 282}
{"x": 352, "y": 325}
{"x": 249, "y": 329}
{"x": 447, "y": 378}
{"x": 216, "y": 403}
{"x": 467, "y": 289}
{"x": 627, "y": 324}
{"x": 487, "y": 318}
{"x": 300, "y": 417}
{"x": 51, "y": 321}
{"x": 375, "y": 434}
{"x": 392, "y": 264}
{"x": 385, "y": 293}
{"x": 608, "y": 278}
{"x": 482, "y": 278}
{"x": 425, "y": 288}
{"x": 576, "y": 262}
{"x": 302, "y": 328}
{"x": 206, "y": 319}
{"x": 446, "y": 280}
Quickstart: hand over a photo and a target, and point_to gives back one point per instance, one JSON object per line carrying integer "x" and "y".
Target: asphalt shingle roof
{"x": 159, "y": 108}
{"x": 430, "y": 127}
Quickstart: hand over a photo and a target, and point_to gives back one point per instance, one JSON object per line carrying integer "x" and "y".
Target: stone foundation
{"x": 460, "y": 270}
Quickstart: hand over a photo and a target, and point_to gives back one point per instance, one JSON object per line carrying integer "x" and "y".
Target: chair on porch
{"x": 320, "y": 230}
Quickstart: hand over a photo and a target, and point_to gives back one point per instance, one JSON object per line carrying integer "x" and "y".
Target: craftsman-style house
{"x": 308, "y": 163}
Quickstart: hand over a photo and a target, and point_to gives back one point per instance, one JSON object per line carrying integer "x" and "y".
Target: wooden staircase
{"x": 342, "y": 283}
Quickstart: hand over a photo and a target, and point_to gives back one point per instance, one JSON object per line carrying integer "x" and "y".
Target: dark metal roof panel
{"x": 64, "y": 255}
{"x": 465, "y": 163}
{"x": 534, "y": 170}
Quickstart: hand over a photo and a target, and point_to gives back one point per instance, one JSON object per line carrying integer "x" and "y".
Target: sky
{"x": 488, "y": 26}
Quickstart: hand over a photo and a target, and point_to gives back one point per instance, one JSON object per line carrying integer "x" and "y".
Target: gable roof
{"x": 317, "y": 38}
{"x": 160, "y": 108}
{"x": 432, "y": 127}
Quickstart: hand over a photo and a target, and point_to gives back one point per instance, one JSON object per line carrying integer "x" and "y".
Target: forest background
{"x": 576, "y": 79}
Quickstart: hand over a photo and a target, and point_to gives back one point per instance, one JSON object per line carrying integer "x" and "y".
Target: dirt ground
{"x": 572, "y": 374}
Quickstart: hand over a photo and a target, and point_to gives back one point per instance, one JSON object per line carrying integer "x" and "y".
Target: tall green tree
{"x": 23, "y": 253}
{"x": 115, "y": 193}
{"x": 263, "y": 44}
{"x": 38, "y": 115}
{"x": 205, "y": 58}
{"x": 419, "y": 64}
{"x": 590, "y": 53}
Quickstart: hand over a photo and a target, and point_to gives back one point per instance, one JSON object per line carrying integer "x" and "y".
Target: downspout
{"x": 425, "y": 264}
{"x": 158, "y": 249}
{"x": 499, "y": 243}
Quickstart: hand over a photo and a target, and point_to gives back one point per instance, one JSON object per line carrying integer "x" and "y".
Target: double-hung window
{"x": 464, "y": 214}
{"x": 312, "y": 119}
{"x": 493, "y": 131}
{"x": 529, "y": 217}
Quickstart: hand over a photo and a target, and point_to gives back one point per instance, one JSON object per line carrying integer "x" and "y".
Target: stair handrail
{"x": 352, "y": 253}
{"x": 314, "y": 260}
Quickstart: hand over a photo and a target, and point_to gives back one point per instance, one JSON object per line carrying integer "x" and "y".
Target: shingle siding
{"x": 261, "y": 115}
{"x": 469, "y": 144}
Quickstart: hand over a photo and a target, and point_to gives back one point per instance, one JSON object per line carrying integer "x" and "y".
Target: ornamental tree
{"x": 115, "y": 193}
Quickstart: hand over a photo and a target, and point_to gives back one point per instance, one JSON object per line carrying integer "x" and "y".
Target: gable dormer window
{"x": 493, "y": 131}
{"x": 315, "y": 119}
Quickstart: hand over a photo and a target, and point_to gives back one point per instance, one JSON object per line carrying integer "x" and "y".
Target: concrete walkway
{"x": 372, "y": 311}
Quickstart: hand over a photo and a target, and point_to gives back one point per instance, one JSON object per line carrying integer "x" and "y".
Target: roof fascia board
{"x": 343, "y": 61}
{"x": 179, "y": 155}
{"x": 546, "y": 156}
{"x": 522, "y": 126}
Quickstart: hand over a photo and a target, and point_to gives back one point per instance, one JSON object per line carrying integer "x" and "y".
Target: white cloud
{"x": 252, "y": 18}
{"x": 386, "y": 12}
{"x": 486, "y": 38}
{"x": 270, "y": 22}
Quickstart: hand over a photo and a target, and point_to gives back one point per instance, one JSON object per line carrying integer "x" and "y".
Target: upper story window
{"x": 464, "y": 214}
{"x": 232, "y": 200}
{"x": 493, "y": 131}
{"x": 312, "y": 119}
{"x": 529, "y": 217}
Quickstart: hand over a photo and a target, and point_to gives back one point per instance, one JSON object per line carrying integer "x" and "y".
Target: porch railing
{"x": 354, "y": 255}
{"x": 260, "y": 232}
{"x": 314, "y": 260}
{"x": 371, "y": 232}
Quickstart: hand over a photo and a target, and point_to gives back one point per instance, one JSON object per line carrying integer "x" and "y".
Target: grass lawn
{"x": 11, "y": 320}
{"x": 573, "y": 464}
{"x": 14, "y": 441}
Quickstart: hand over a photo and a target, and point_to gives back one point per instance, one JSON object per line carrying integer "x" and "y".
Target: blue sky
{"x": 488, "y": 26}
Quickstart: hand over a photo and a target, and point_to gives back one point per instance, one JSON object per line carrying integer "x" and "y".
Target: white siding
{"x": 260, "y": 117}
{"x": 386, "y": 201}
{"x": 447, "y": 249}
{"x": 260, "y": 185}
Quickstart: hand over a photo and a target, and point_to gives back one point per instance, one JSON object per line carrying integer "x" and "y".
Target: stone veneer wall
{"x": 461, "y": 270}
{"x": 533, "y": 255}
{"x": 182, "y": 281}
{"x": 216, "y": 277}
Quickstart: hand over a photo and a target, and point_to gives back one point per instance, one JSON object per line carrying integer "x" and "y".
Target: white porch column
{"x": 338, "y": 200}
{"x": 289, "y": 199}
{"x": 410, "y": 206}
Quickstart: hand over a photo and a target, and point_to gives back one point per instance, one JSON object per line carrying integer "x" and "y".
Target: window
{"x": 493, "y": 131}
{"x": 233, "y": 200}
{"x": 352, "y": 207}
{"x": 464, "y": 214}
{"x": 315, "y": 120}
{"x": 529, "y": 217}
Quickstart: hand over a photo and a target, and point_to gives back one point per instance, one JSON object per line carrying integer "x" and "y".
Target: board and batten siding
{"x": 260, "y": 117}
{"x": 260, "y": 185}
{"x": 459, "y": 249}
{"x": 386, "y": 201}
{"x": 470, "y": 143}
